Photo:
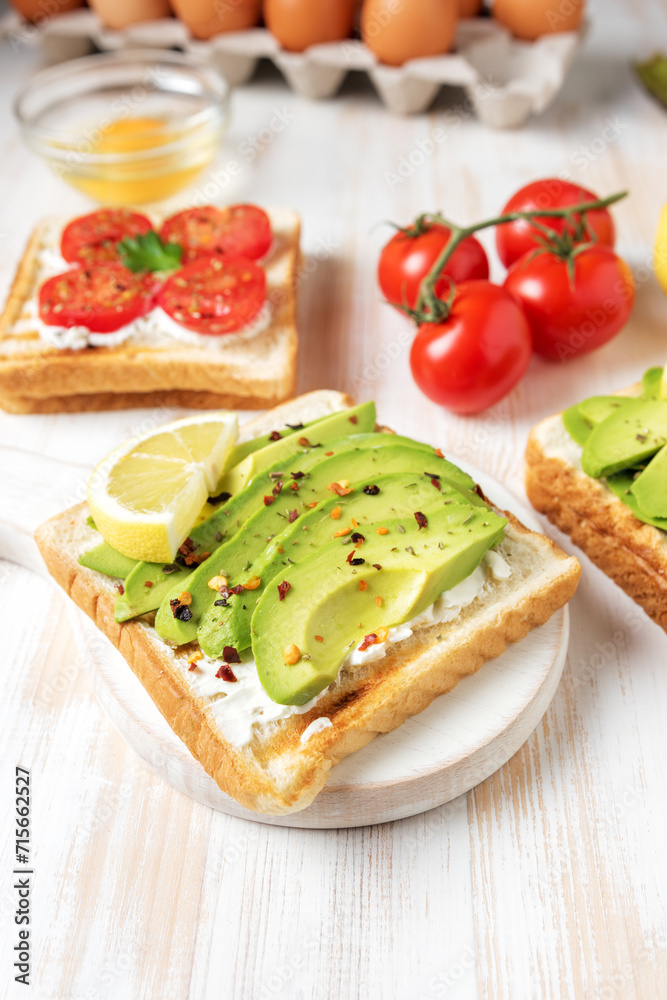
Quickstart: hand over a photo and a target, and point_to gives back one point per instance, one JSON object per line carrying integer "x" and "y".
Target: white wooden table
{"x": 548, "y": 881}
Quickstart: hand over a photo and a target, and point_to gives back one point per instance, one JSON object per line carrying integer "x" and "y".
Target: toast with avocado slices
{"x": 342, "y": 579}
{"x": 152, "y": 361}
{"x": 599, "y": 473}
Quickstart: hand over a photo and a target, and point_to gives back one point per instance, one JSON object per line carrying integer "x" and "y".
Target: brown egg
{"x": 297, "y": 24}
{"x": 205, "y": 18}
{"x": 118, "y": 14}
{"x": 469, "y": 8}
{"x": 528, "y": 19}
{"x": 36, "y": 10}
{"x": 396, "y": 31}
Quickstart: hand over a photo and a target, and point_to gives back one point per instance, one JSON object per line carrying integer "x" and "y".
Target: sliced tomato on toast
{"x": 94, "y": 238}
{"x": 102, "y": 298}
{"x": 215, "y": 295}
{"x": 237, "y": 230}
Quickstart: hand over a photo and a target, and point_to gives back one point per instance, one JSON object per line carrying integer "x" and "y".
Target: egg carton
{"x": 505, "y": 80}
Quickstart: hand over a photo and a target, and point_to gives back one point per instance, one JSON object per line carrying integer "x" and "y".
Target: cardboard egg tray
{"x": 505, "y": 80}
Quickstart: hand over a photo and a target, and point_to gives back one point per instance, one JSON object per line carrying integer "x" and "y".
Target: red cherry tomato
{"x": 406, "y": 260}
{"x": 102, "y": 298}
{"x": 570, "y": 315}
{"x": 94, "y": 238}
{"x": 215, "y": 295}
{"x": 477, "y": 354}
{"x": 514, "y": 239}
{"x": 238, "y": 230}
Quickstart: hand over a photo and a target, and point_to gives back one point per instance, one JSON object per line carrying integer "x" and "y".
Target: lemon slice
{"x": 145, "y": 496}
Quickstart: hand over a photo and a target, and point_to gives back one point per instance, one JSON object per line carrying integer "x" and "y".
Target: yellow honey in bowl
{"x": 179, "y": 154}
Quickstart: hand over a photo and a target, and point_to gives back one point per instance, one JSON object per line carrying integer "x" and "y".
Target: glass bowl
{"x": 126, "y": 128}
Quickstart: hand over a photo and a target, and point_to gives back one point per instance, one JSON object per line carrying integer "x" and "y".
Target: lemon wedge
{"x": 145, "y": 496}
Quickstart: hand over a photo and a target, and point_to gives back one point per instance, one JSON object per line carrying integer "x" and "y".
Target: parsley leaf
{"x": 148, "y": 252}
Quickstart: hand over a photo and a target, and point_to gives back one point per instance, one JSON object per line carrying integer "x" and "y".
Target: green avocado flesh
{"x": 326, "y": 613}
{"x": 106, "y": 560}
{"x": 400, "y": 495}
{"x": 252, "y": 523}
{"x": 623, "y": 442}
{"x": 144, "y": 590}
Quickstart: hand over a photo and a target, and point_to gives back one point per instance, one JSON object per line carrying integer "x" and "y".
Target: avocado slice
{"x": 576, "y": 426}
{"x": 326, "y": 614}
{"x": 399, "y": 494}
{"x": 358, "y": 419}
{"x": 253, "y": 523}
{"x": 630, "y": 435}
{"x": 579, "y": 420}
{"x": 241, "y": 451}
{"x": 146, "y": 587}
{"x": 621, "y": 484}
{"x": 650, "y": 486}
{"x": 651, "y": 383}
{"x": 105, "y": 559}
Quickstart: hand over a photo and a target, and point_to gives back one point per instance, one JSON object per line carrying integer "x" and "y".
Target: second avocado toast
{"x": 350, "y": 578}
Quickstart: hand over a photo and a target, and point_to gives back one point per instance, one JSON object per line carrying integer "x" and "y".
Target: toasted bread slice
{"x": 632, "y": 553}
{"x": 276, "y": 772}
{"x": 247, "y": 370}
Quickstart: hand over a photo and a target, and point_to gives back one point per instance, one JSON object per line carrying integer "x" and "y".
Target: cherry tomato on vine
{"x": 576, "y": 308}
{"x": 474, "y": 357}
{"x": 405, "y": 260}
{"x": 514, "y": 239}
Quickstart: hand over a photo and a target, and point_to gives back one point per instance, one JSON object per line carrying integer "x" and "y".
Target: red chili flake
{"x": 357, "y": 537}
{"x": 294, "y": 486}
{"x": 187, "y": 547}
{"x": 148, "y": 583}
{"x": 277, "y": 488}
{"x": 238, "y": 589}
{"x": 369, "y": 640}
{"x": 350, "y": 556}
{"x": 378, "y": 601}
{"x": 226, "y": 673}
{"x": 280, "y": 549}
{"x": 231, "y": 654}
{"x": 293, "y": 514}
{"x": 320, "y": 638}
{"x": 328, "y": 454}
{"x": 421, "y": 519}
{"x": 268, "y": 501}
{"x": 275, "y": 436}
{"x": 353, "y": 419}
{"x": 438, "y": 452}
{"x": 283, "y": 590}
{"x": 192, "y": 666}
{"x": 377, "y": 565}
{"x": 174, "y": 603}
{"x": 362, "y": 585}
{"x": 436, "y": 482}
{"x": 120, "y": 588}
{"x": 304, "y": 442}
{"x": 297, "y": 475}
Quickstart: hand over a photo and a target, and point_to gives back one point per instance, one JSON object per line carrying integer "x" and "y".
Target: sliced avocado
{"x": 106, "y": 560}
{"x": 629, "y": 436}
{"x": 651, "y": 383}
{"x": 245, "y": 448}
{"x": 326, "y": 613}
{"x": 579, "y": 420}
{"x": 400, "y": 494}
{"x": 359, "y": 420}
{"x": 253, "y": 523}
{"x": 595, "y": 409}
{"x": 650, "y": 486}
{"x": 621, "y": 484}
{"x": 576, "y": 426}
{"x": 146, "y": 586}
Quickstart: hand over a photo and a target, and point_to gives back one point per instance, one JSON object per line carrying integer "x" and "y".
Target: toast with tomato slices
{"x": 287, "y": 760}
{"x": 251, "y": 369}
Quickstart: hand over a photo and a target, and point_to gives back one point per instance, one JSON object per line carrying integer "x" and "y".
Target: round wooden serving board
{"x": 461, "y": 739}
